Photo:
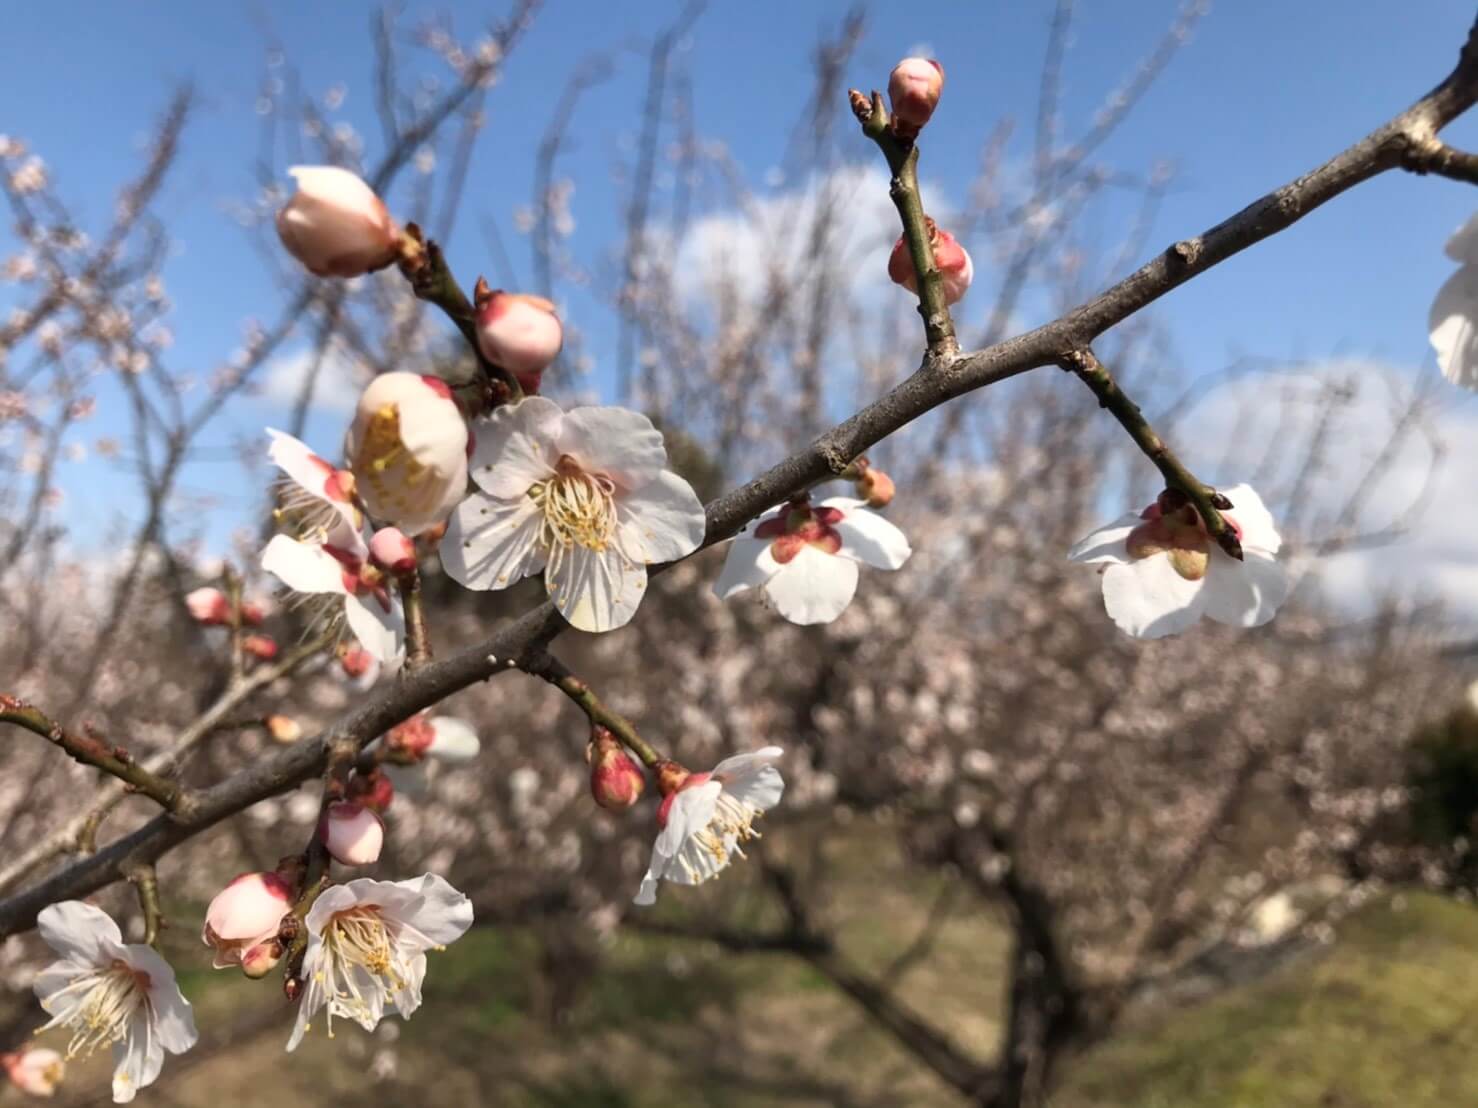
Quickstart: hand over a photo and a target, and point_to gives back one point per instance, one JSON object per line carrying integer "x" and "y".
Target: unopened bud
{"x": 392, "y": 551}
{"x": 37, "y": 1072}
{"x": 956, "y": 270}
{"x": 253, "y": 613}
{"x": 260, "y": 646}
{"x": 262, "y": 959}
{"x": 671, "y": 776}
{"x": 245, "y": 914}
{"x": 209, "y": 606}
{"x": 616, "y": 781}
{"x": 876, "y": 487}
{"x": 284, "y": 729}
{"x": 913, "y": 92}
{"x": 413, "y": 737}
{"x": 352, "y": 833}
{"x": 356, "y": 662}
{"x": 373, "y": 789}
{"x": 335, "y": 224}
{"x": 521, "y": 333}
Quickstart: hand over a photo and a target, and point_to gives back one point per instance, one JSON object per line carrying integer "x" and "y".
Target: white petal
{"x": 174, "y": 1019}
{"x": 867, "y": 537}
{"x": 516, "y": 447}
{"x": 1146, "y": 598}
{"x": 455, "y": 740}
{"x": 1252, "y": 516}
{"x": 1246, "y": 593}
{"x": 408, "y": 998}
{"x": 380, "y": 632}
{"x": 1453, "y": 326}
{"x": 761, "y": 787}
{"x": 137, "y": 1059}
{"x": 312, "y": 992}
{"x": 596, "y": 590}
{"x": 1463, "y": 246}
{"x": 736, "y": 765}
{"x": 335, "y": 899}
{"x": 307, "y": 470}
{"x": 78, "y": 931}
{"x": 663, "y": 520}
{"x": 490, "y": 544}
{"x": 303, "y": 567}
{"x": 690, "y": 811}
{"x": 618, "y": 442}
{"x": 745, "y": 566}
{"x": 1107, "y": 544}
{"x": 444, "y": 914}
{"x": 813, "y": 587}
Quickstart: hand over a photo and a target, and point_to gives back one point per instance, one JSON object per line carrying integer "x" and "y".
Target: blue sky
{"x": 1264, "y": 91}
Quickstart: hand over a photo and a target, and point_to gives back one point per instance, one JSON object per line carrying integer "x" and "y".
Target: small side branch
{"x": 146, "y": 884}
{"x": 559, "y": 675}
{"x": 91, "y": 751}
{"x": 1208, "y": 502}
{"x": 1435, "y": 156}
{"x": 417, "y": 639}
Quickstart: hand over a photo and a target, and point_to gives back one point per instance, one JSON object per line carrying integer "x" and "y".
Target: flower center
{"x": 799, "y": 526}
{"x": 383, "y": 462}
{"x": 732, "y": 824}
{"x": 358, "y": 942}
{"x": 104, "y": 1002}
{"x": 579, "y": 508}
{"x": 309, "y": 517}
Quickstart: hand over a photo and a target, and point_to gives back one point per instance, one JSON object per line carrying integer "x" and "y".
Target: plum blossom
{"x": 367, "y": 944}
{"x": 705, "y": 817}
{"x": 804, "y": 557}
{"x": 242, "y": 921}
{"x": 407, "y": 450}
{"x": 585, "y": 496}
{"x": 108, "y": 992}
{"x": 956, "y": 270}
{"x": 423, "y": 738}
{"x": 1163, "y": 572}
{"x": 330, "y": 558}
{"x": 914, "y": 87}
{"x": 335, "y": 224}
{"x": 37, "y": 1072}
{"x": 1453, "y": 321}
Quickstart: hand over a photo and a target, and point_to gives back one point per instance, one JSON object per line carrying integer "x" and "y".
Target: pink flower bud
{"x": 245, "y": 914}
{"x": 615, "y": 780}
{"x": 260, "y": 960}
{"x": 335, "y": 224}
{"x": 209, "y": 606}
{"x": 356, "y": 662}
{"x": 284, "y": 729}
{"x": 253, "y": 613}
{"x": 392, "y": 551}
{"x": 373, "y": 789}
{"x": 413, "y": 737}
{"x": 913, "y": 91}
{"x": 520, "y": 333}
{"x": 876, "y": 487}
{"x": 37, "y": 1072}
{"x": 408, "y": 450}
{"x": 955, "y": 268}
{"x": 260, "y": 646}
{"x": 353, "y": 834}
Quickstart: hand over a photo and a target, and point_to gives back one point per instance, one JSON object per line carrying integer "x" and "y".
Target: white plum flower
{"x": 407, "y": 449}
{"x": 37, "y": 1071}
{"x": 585, "y": 496}
{"x": 705, "y": 817}
{"x": 1453, "y": 320}
{"x": 804, "y": 557}
{"x": 426, "y": 738}
{"x": 367, "y": 944}
{"x": 331, "y": 556}
{"x": 108, "y": 992}
{"x": 1163, "y": 572}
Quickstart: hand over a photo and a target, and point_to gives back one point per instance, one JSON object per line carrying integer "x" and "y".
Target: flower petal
{"x": 516, "y": 447}
{"x": 813, "y": 587}
{"x": 1259, "y": 532}
{"x": 596, "y": 590}
{"x": 302, "y": 566}
{"x": 1246, "y": 593}
{"x": 1110, "y": 543}
{"x": 137, "y": 1059}
{"x": 78, "y": 931}
{"x": 380, "y": 632}
{"x": 490, "y": 544}
{"x": 745, "y": 566}
{"x": 1453, "y": 327}
{"x": 618, "y": 442}
{"x": 444, "y": 914}
{"x": 662, "y": 520}
{"x": 1146, "y": 598}
{"x": 867, "y": 537}
{"x": 455, "y": 740}
{"x": 690, "y": 811}
{"x": 1463, "y": 246}
{"x": 313, "y": 996}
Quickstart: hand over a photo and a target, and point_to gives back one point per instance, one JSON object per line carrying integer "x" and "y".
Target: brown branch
{"x": 545, "y": 665}
{"x": 1437, "y": 157}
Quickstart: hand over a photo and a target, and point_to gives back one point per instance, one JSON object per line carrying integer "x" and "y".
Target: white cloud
{"x": 340, "y": 379}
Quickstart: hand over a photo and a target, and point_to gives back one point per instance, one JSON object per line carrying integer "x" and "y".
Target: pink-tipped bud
{"x": 521, "y": 333}
{"x": 284, "y": 729}
{"x": 209, "y": 606}
{"x": 335, "y": 224}
{"x": 616, "y": 781}
{"x": 37, "y": 1072}
{"x": 260, "y": 960}
{"x": 356, "y": 662}
{"x": 413, "y": 737}
{"x": 392, "y": 551}
{"x": 373, "y": 789}
{"x": 260, "y": 646}
{"x": 253, "y": 613}
{"x": 352, "y": 833}
{"x": 913, "y": 92}
{"x": 876, "y": 487}
{"x": 956, "y": 270}
{"x": 245, "y": 914}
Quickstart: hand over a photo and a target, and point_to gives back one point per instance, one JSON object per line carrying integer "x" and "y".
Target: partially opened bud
{"x": 352, "y": 833}
{"x": 913, "y": 92}
{"x": 956, "y": 270}
{"x": 245, "y": 914}
{"x": 408, "y": 450}
{"x": 520, "y": 333}
{"x": 260, "y": 960}
{"x": 37, "y": 1072}
{"x": 412, "y": 738}
{"x": 373, "y": 789}
{"x": 615, "y": 780}
{"x": 260, "y": 646}
{"x": 335, "y": 224}
{"x": 392, "y": 551}
{"x": 876, "y": 487}
{"x": 209, "y": 606}
{"x": 284, "y": 729}
{"x": 356, "y": 662}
